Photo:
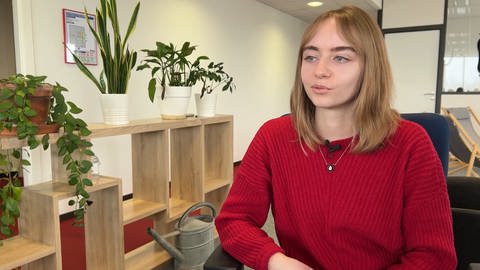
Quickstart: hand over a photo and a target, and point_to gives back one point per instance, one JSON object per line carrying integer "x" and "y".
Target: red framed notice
{"x": 78, "y": 38}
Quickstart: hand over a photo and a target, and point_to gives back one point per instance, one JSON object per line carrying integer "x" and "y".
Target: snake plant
{"x": 118, "y": 60}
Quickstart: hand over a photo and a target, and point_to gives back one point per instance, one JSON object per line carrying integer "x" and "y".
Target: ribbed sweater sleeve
{"x": 426, "y": 210}
{"x": 246, "y": 209}
{"x": 387, "y": 209}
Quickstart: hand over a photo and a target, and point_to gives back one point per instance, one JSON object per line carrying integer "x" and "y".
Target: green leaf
{"x": 66, "y": 159}
{"x": 84, "y": 194}
{"x": 11, "y": 205}
{"x": 152, "y": 87}
{"x": 81, "y": 123}
{"x": 87, "y": 182}
{"x": 25, "y": 162}
{"x": 16, "y": 153}
{"x": 7, "y": 219}
{"x": 19, "y": 99}
{"x": 85, "y": 166}
{"x": 87, "y": 72}
{"x": 5, "y": 105}
{"x": 33, "y": 142}
{"x": 73, "y": 181}
{"x": 29, "y": 112}
{"x": 62, "y": 150}
{"x": 79, "y": 214}
{"x": 71, "y": 166}
{"x": 74, "y": 108}
{"x": 6, "y": 94}
{"x": 17, "y": 193}
{"x": 45, "y": 140}
{"x": 82, "y": 202}
{"x": 142, "y": 67}
{"x": 88, "y": 152}
{"x": 71, "y": 202}
{"x": 5, "y": 230}
{"x": 131, "y": 25}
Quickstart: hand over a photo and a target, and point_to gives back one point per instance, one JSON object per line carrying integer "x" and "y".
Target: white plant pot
{"x": 176, "y": 102}
{"x": 114, "y": 108}
{"x": 206, "y": 106}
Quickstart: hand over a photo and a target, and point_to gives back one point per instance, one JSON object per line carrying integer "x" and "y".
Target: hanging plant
{"x": 18, "y": 118}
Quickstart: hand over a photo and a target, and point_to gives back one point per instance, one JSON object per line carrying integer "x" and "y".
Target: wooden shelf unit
{"x": 175, "y": 163}
{"x": 38, "y": 244}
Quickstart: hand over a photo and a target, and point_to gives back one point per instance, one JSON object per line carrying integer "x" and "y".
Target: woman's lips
{"x": 320, "y": 88}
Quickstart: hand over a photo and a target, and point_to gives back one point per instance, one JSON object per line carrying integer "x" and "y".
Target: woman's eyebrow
{"x": 311, "y": 47}
{"x": 343, "y": 48}
{"x": 334, "y": 49}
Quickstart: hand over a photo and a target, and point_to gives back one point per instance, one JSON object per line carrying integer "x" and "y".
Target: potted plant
{"x": 17, "y": 119}
{"x": 211, "y": 77}
{"x": 118, "y": 61}
{"x": 175, "y": 73}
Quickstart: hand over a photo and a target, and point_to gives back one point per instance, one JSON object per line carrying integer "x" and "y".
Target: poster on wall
{"x": 78, "y": 38}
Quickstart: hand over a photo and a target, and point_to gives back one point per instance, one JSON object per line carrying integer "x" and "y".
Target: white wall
{"x": 257, "y": 44}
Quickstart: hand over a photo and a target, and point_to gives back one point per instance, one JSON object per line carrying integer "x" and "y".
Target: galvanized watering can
{"x": 194, "y": 238}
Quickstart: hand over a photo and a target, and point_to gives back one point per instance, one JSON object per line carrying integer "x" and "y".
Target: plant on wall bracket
{"x": 16, "y": 114}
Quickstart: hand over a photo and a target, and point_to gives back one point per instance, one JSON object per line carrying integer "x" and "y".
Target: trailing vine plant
{"x": 15, "y": 114}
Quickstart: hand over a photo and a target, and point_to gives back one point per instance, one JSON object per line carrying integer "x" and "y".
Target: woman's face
{"x": 331, "y": 69}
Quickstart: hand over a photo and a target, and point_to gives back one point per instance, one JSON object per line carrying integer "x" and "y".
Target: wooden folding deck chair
{"x": 464, "y": 142}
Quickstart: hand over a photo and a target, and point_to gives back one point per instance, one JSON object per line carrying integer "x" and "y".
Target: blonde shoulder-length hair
{"x": 374, "y": 118}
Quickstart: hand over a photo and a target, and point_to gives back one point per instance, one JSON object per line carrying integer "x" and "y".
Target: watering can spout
{"x": 161, "y": 240}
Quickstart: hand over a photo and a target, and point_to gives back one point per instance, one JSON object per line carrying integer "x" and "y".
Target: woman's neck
{"x": 334, "y": 125}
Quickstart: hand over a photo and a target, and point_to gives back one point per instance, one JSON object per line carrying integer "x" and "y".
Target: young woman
{"x": 351, "y": 185}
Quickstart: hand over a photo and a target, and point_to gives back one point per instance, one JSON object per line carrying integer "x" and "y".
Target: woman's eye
{"x": 309, "y": 58}
{"x": 341, "y": 59}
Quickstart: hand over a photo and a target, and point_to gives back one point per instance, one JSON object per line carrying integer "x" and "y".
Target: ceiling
{"x": 299, "y": 8}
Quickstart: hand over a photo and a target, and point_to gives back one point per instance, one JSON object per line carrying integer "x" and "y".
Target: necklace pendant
{"x": 330, "y": 168}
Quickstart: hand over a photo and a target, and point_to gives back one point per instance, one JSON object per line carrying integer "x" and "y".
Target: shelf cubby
{"x": 218, "y": 155}
{"x": 18, "y": 251}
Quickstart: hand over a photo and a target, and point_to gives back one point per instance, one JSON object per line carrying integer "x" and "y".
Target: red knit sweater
{"x": 384, "y": 210}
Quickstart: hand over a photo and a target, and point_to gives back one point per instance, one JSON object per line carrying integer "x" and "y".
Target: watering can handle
{"x": 194, "y": 207}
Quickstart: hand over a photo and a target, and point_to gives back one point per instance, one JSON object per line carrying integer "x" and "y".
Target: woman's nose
{"x": 322, "y": 69}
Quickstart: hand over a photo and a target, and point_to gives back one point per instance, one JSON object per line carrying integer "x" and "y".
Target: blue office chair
{"x": 436, "y": 127}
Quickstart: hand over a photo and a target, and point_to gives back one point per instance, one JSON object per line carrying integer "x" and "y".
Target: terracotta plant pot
{"x": 40, "y": 103}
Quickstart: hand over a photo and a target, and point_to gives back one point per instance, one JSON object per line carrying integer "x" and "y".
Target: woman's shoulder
{"x": 283, "y": 121}
{"x": 410, "y": 131}
{"x": 278, "y": 126}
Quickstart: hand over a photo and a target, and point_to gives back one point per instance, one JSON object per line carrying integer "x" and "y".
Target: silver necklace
{"x": 331, "y": 166}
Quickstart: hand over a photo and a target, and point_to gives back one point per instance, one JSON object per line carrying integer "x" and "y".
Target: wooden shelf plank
{"x": 213, "y": 184}
{"x": 219, "y": 118}
{"x": 62, "y": 190}
{"x": 133, "y": 127}
{"x": 136, "y": 209}
{"x": 148, "y": 256}
{"x": 139, "y": 126}
{"x": 10, "y": 142}
{"x": 18, "y": 251}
